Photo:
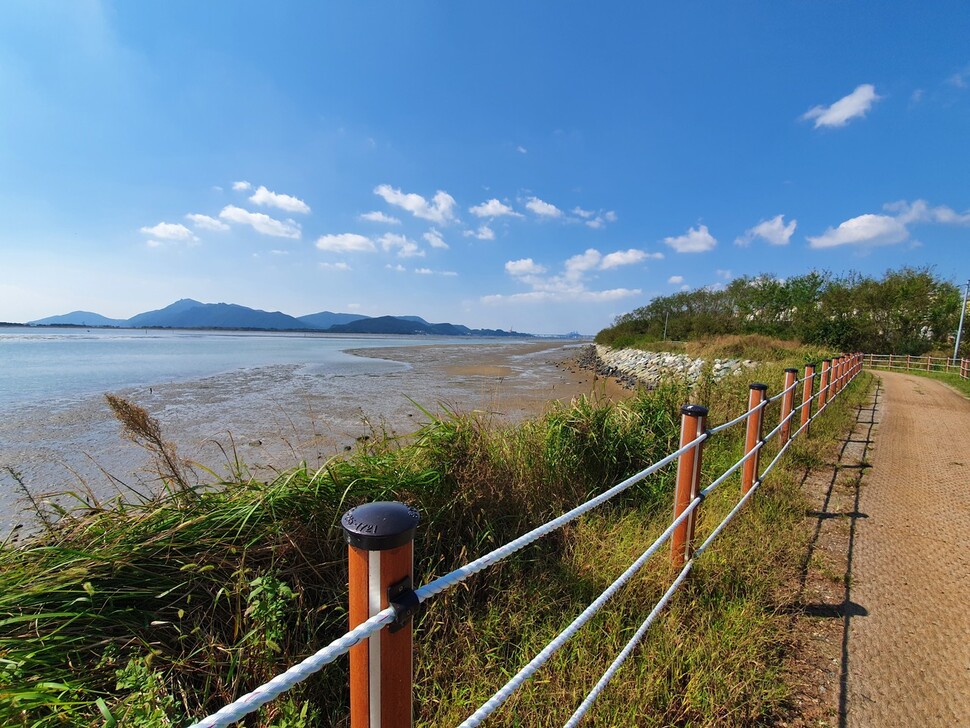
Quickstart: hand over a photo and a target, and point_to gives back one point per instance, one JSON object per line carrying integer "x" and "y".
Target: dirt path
{"x": 884, "y": 602}
{"x": 909, "y": 657}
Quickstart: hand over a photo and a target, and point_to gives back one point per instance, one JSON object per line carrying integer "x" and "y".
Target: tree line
{"x": 908, "y": 311}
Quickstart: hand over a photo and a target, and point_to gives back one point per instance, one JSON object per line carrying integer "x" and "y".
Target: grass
{"x": 151, "y": 613}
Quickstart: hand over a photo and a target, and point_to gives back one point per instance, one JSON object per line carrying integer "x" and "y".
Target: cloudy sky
{"x": 542, "y": 165}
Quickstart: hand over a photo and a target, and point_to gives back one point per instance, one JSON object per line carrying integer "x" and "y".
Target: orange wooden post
{"x": 787, "y": 405}
{"x": 756, "y": 395}
{"x": 839, "y": 364}
{"x": 807, "y": 391}
{"x": 823, "y": 384}
{"x": 929, "y": 361}
{"x": 693, "y": 423}
{"x": 380, "y": 539}
{"x": 833, "y": 378}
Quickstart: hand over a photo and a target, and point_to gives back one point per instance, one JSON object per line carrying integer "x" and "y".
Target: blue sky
{"x": 543, "y": 166}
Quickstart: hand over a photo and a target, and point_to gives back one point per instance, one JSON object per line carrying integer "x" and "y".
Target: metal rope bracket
{"x": 401, "y": 596}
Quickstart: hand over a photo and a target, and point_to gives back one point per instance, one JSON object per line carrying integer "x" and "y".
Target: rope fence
{"x": 908, "y": 363}
{"x": 380, "y": 557}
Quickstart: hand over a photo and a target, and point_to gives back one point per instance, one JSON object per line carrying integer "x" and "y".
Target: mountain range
{"x": 189, "y": 314}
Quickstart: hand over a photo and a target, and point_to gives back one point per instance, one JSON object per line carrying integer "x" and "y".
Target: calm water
{"x": 278, "y": 398}
{"x": 56, "y": 366}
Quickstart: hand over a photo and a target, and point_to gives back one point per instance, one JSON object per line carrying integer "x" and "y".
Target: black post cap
{"x": 758, "y": 385}
{"x": 380, "y": 526}
{"x": 826, "y": 360}
{"x": 694, "y": 410}
{"x": 792, "y": 369}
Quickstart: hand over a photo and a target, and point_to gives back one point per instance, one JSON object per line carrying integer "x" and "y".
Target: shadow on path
{"x": 843, "y": 485}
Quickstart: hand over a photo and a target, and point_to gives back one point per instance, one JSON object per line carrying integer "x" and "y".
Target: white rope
{"x": 780, "y": 425}
{"x": 736, "y": 420}
{"x": 460, "y": 574}
{"x": 625, "y": 653}
{"x": 783, "y": 392}
{"x": 727, "y": 519}
{"x": 493, "y": 703}
{"x": 263, "y": 694}
{"x": 241, "y": 707}
{"x": 730, "y": 471}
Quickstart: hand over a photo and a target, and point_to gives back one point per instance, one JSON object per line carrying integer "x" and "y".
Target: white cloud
{"x": 346, "y": 243}
{"x": 585, "y": 214}
{"x": 864, "y": 230}
{"x": 570, "y": 285}
{"x": 610, "y": 216}
{"x": 406, "y": 248}
{"x": 439, "y": 210}
{"x": 204, "y": 222}
{"x": 483, "y": 233}
{"x": 154, "y": 244}
{"x": 493, "y": 208}
{"x": 960, "y": 79}
{"x": 920, "y": 211}
{"x": 434, "y": 239}
{"x": 696, "y": 240}
{"x": 378, "y": 216}
{"x": 241, "y": 186}
{"x": 845, "y": 109}
{"x": 623, "y": 257}
{"x": 582, "y": 296}
{"x": 261, "y": 223}
{"x": 335, "y": 266}
{"x": 521, "y": 150}
{"x": 774, "y": 231}
{"x": 288, "y": 203}
{"x": 725, "y": 274}
{"x": 423, "y": 271}
{"x": 577, "y": 265}
{"x": 675, "y": 280}
{"x": 543, "y": 209}
{"x": 169, "y": 231}
{"x": 524, "y": 267}
{"x": 396, "y": 268}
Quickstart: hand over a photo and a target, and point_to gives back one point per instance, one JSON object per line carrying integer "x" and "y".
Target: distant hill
{"x": 187, "y": 313}
{"x": 79, "y": 318}
{"x": 326, "y": 319}
{"x": 191, "y": 314}
{"x": 413, "y": 325}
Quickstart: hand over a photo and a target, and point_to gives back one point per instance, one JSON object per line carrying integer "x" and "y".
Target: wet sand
{"x": 275, "y": 417}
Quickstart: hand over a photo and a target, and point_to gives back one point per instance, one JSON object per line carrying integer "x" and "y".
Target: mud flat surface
{"x": 277, "y": 416}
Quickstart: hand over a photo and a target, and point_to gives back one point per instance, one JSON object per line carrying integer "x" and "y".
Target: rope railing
{"x": 923, "y": 363}
{"x": 380, "y": 537}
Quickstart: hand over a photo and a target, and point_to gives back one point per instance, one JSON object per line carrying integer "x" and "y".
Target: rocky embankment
{"x": 633, "y": 367}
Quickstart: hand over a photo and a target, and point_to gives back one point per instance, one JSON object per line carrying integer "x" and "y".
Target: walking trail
{"x": 886, "y": 584}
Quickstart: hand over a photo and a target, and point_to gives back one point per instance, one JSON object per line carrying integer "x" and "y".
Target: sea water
{"x": 275, "y": 399}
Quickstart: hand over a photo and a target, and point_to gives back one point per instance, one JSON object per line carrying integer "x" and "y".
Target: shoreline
{"x": 274, "y": 417}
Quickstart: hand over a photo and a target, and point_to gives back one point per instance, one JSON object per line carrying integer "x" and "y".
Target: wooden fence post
{"x": 380, "y": 553}
{"x": 787, "y": 405}
{"x": 807, "y": 391}
{"x": 693, "y": 424}
{"x": 823, "y": 384}
{"x": 749, "y": 472}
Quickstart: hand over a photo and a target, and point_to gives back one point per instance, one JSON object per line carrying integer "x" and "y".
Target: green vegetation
{"x": 152, "y": 612}
{"x": 909, "y": 311}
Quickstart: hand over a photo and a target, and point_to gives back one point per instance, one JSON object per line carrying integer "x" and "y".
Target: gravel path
{"x": 908, "y": 647}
